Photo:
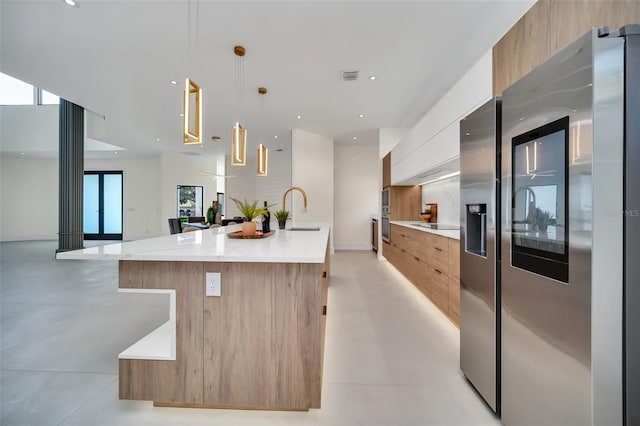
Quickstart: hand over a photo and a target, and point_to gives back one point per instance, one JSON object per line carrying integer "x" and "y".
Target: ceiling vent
{"x": 349, "y": 75}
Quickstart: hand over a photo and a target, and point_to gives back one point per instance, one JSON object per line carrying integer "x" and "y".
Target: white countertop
{"x": 212, "y": 245}
{"x": 455, "y": 234}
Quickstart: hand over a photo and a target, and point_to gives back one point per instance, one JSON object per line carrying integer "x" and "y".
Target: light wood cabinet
{"x": 549, "y": 26}
{"x": 426, "y": 260}
{"x": 386, "y": 170}
{"x": 258, "y": 346}
{"x": 405, "y": 202}
{"x": 454, "y": 281}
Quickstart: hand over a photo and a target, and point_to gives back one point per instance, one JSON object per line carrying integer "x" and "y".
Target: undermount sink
{"x": 303, "y": 228}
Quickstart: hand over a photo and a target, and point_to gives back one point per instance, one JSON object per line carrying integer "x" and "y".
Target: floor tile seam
{"x": 52, "y": 304}
{"x": 21, "y": 370}
{"x": 88, "y": 401}
{"x": 396, "y": 385}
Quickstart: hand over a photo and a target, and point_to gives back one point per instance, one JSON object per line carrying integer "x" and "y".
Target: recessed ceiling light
{"x": 355, "y": 138}
{"x": 22, "y": 153}
{"x": 71, "y": 3}
{"x": 372, "y": 77}
{"x": 467, "y": 133}
{"x": 299, "y": 116}
{"x": 181, "y": 114}
{"x": 275, "y": 137}
{"x": 115, "y": 152}
{"x": 157, "y": 139}
{"x": 361, "y": 115}
{"x": 174, "y": 82}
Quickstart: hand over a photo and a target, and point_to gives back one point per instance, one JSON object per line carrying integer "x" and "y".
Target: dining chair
{"x": 174, "y": 226}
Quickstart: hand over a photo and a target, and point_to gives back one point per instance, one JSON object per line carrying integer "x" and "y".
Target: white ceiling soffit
{"x": 118, "y": 57}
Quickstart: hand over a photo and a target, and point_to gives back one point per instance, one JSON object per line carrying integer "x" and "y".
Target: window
{"x": 14, "y": 91}
{"x": 17, "y": 92}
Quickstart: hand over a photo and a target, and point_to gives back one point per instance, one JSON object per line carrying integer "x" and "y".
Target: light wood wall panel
{"x": 523, "y": 47}
{"x": 549, "y": 26}
{"x": 263, "y": 337}
{"x": 571, "y": 19}
{"x": 405, "y": 202}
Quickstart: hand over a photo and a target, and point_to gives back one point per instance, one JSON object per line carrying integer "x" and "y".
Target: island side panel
{"x": 263, "y": 336}
{"x": 316, "y": 390}
{"x": 170, "y": 381}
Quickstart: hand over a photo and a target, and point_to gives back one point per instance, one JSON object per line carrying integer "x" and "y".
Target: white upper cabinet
{"x": 435, "y": 139}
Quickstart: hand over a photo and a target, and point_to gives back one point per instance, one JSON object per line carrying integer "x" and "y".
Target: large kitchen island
{"x": 258, "y": 344}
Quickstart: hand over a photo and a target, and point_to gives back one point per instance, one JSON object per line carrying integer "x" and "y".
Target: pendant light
{"x": 192, "y": 110}
{"x": 262, "y": 154}
{"x": 239, "y": 133}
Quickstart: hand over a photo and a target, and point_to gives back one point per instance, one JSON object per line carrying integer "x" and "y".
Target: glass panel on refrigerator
{"x": 539, "y": 229}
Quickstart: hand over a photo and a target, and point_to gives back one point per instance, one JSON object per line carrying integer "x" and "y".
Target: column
{"x": 71, "y": 176}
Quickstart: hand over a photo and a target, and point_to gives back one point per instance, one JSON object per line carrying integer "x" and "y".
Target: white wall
{"x": 389, "y": 138}
{"x": 271, "y": 187}
{"x": 181, "y": 169}
{"x": 241, "y": 186}
{"x": 356, "y": 195}
{"x": 28, "y": 199}
{"x": 446, "y": 194}
{"x": 142, "y": 186}
{"x": 312, "y": 170}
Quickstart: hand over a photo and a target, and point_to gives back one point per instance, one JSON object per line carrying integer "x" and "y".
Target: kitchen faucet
{"x": 297, "y": 188}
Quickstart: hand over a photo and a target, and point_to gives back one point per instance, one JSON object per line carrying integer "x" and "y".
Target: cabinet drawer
{"x": 454, "y": 259}
{"x": 437, "y": 290}
{"x": 439, "y": 261}
{"x": 438, "y": 243}
{"x": 454, "y": 300}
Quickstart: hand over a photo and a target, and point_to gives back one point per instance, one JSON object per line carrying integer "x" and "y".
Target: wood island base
{"x": 259, "y": 345}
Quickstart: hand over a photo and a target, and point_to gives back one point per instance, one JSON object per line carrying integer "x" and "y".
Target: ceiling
{"x": 117, "y": 58}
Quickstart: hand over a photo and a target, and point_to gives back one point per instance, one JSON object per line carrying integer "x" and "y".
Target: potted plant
{"x": 543, "y": 219}
{"x": 282, "y": 216}
{"x": 250, "y": 211}
{"x": 212, "y": 212}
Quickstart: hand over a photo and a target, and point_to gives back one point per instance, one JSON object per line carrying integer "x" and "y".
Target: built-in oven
{"x": 386, "y": 201}
{"x": 385, "y": 227}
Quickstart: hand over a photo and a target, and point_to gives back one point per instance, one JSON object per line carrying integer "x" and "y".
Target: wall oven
{"x": 385, "y": 227}
{"x": 386, "y": 201}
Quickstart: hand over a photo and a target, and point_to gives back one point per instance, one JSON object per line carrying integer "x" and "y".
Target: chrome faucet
{"x": 297, "y": 188}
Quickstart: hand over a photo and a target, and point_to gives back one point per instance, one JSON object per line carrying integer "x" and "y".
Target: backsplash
{"x": 446, "y": 194}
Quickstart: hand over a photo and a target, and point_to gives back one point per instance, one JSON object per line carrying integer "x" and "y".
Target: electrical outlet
{"x": 212, "y": 284}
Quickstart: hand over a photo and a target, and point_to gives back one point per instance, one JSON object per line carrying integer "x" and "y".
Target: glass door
{"x": 103, "y": 205}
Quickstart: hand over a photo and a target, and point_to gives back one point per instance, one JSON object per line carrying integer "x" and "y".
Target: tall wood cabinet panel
{"x": 523, "y": 47}
{"x": 571, "y": 19}
{"x": 386, "y": 170}
{"x": 549, "y": 26}
{"x": 405, "y": 202}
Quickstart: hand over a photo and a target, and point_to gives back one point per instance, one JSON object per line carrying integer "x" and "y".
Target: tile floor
{"x": 391, "y": 358}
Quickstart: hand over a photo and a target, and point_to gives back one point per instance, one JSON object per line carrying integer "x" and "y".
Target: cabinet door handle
{"x": 437, "y": 270}
{"x": 416, "y": 258}
{"x": 438, "y": 248}
{"x": 324, "y": 310}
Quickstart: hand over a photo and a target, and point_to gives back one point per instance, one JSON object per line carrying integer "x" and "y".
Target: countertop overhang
{"x": 213, "y": 245}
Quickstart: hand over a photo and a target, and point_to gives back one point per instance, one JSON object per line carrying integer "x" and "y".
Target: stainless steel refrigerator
{"x": 480, "y": 250}
{"x": 570, "y": 237}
